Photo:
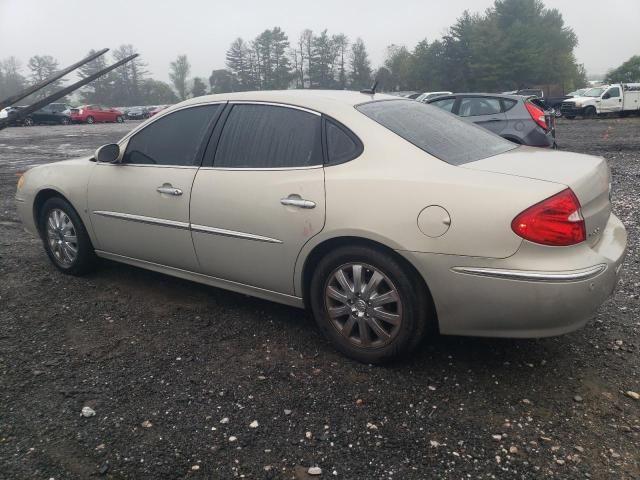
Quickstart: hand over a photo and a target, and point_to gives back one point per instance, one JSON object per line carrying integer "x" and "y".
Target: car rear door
{"x": 261, "y": 196}
{"x": 139, "y": 208}
{"x": 484, "y": 111}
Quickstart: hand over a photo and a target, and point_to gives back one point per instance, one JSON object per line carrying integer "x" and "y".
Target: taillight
{"x": 556, "y": 221}
{"x": 537, "y": 114}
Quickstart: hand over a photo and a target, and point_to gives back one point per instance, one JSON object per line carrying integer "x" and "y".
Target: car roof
{"x": 488, "y": 95}
{"x": 312, "y": 99}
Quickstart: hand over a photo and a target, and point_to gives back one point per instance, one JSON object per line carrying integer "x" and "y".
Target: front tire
{"x": 90, "y": 120}
{"x": 28, "y": 122}
{"x": 65, "y": 238}
{"x": 119, "y": 119}
{"x": 368, "y": 304}
{"x": 590, "y": 112}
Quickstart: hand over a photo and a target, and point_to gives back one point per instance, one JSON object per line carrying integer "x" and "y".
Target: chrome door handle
{"x": 297, "y": 202}
{"x": 169, "y": 190}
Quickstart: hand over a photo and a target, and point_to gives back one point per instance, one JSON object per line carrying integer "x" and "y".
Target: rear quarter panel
{"x": 380, "y": 195}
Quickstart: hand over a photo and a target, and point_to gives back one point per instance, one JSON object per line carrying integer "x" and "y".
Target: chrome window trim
{"x": 148, "y": 165}
{"x": 262, "y": 169}
{"x": 162, "y": 114}
{"x": 274, "y": 104}
{"x": 534, "y": 276}
{"x": 233, "y": 233}
{"x": 143, "y": 219}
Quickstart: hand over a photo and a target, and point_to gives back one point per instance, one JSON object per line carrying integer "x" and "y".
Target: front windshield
{"x": 594, "y": 92}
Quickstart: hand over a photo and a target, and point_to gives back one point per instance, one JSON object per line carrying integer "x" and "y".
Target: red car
{"x": 96, "y": 113}
{"x": 155, "y": 110}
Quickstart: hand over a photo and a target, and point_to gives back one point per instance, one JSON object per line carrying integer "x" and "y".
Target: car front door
{"x": 611, "y": 100}
{"x": 483, "y": 111}
{"x": 139, "y": 207}
{"x": 262, "y": 197}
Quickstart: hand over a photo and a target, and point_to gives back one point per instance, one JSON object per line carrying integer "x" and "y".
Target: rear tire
{"x": 65, "y": 121}
{"x": 65, "y": 238}
{"x": 119, "y": 119}
{"x": 90, "y": 120}
{"x": 570, "y": 117}
{"x": 381, "y": 316}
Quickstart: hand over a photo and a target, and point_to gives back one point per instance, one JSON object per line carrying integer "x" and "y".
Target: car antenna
{"x": 372, "y": 90}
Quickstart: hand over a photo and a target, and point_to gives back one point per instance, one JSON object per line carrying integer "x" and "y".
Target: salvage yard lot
{"x": 163, "y": 361}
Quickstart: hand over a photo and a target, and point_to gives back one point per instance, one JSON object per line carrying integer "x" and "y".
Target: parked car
{"x": 138, "y": 113}
{"x": 8, "y": 112}
{"x": 513, "y": 117}
{"x": 622, "y": 98}
{"x": 531, "y": 92}
{"x": 424, "y": 97}
{"x": 96, "y": 113}
{"x": 54, "y": 113}
{"x": 155, "y": 110}
{"x": 387, "y": 217}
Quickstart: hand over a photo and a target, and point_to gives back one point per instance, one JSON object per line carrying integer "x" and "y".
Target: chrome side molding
{"x": 142, "y": 219}
{"x": 534, "y": 276}
{"x": 233, "y": 233}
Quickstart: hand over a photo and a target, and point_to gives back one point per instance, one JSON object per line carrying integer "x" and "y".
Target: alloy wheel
{"x": 62, "y": 237}
{"x": 364, "y": 305}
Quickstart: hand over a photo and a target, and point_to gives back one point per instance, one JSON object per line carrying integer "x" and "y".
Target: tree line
{"x": 129, "y": 84}
{"x": 514, "y": 44}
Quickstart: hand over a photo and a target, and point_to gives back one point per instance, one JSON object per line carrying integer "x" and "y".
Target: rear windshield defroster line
{"x": 435, "y": 131}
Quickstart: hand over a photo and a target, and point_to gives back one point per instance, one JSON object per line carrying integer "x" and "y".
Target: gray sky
{"x": 203, "y": 29}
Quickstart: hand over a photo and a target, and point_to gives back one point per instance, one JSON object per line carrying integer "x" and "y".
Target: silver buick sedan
{"x": 388, "y": 218}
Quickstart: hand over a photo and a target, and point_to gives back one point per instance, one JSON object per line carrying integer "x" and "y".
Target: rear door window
{"x": 508, "y": 104}
{"x": 269, "y": 136}
{"x": 445, "y": 104}
{"x": 436, "y": 132}
{"x": 174, "y": 139}
{"x": 341, "y": 146}
{"x": 477, "y": 106}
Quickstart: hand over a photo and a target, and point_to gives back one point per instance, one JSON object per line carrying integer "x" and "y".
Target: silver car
{"x": 519, "y": 119}
{"x": 388, "y": 218}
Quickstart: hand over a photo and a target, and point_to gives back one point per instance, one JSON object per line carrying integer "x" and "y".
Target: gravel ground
{"x": 177, "y": 372}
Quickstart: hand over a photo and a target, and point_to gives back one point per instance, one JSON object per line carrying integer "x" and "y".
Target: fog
{"x": 66, "y": 29}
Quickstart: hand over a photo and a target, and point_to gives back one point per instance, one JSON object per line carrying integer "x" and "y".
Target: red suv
{"x": 96, "y": 113}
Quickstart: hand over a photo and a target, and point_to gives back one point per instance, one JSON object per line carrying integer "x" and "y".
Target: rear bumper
{"x": 527, "y": 295}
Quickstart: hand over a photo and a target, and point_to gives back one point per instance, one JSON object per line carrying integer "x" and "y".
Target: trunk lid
{"x": 586, "y": 175}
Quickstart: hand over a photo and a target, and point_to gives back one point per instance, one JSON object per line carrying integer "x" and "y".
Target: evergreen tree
{"x": 628, "y": 72}
{"x": 360, "y": 67}
{"x": 199, "y": 88}
{"x": 179, "y": 73}
{"x": 101, "y": 90}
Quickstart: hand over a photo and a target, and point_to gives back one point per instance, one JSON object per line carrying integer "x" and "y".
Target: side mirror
{"x": 108, "y": 153}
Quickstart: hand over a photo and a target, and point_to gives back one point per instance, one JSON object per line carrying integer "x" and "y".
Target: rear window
{"x": 435, "y": 131}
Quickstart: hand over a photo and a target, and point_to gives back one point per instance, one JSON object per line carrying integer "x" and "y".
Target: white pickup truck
{"x": 622, "y": 98}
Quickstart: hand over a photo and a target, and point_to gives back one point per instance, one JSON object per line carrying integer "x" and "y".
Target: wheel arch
{"x": 315, "y": 254}
{"x": 39, "y": 200}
